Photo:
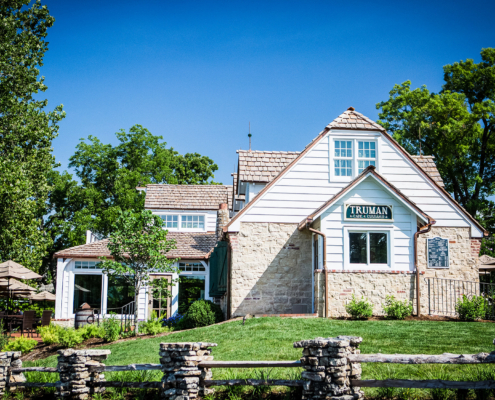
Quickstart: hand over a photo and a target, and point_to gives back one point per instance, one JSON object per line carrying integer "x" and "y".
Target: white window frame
{"x": 365, "y": 158}
{"x": 354, "y": 139}
{"x": 162, "y": 216}
{"x": 193, "y": 229}
{"x": 205, "y": 273}
{"x": 370, "y": 229}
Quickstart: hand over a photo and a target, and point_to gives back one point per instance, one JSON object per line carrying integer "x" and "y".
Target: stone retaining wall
{"x": 271, "y": 269}
{"x": 10, "y": 359}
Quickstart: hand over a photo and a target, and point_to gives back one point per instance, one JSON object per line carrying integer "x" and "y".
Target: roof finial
{"x": 351, "y": 109}
{"x": 249, "y": 135}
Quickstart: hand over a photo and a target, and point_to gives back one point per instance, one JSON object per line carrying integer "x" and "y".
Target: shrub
{"x": 152, "y": 326}
{"x": 4, "y": 335}
{"x": 201, "y": 313}
{"x": 359, "y": 309}
{"x": 471, "y": 309}
{"x": 111, "y": 327}
{"x": 173, "y": 321}
{"x": 21, "y": 343}
{"x": 69, "y": 337}
{"x": 396, "y": 309}
{"x": 50, "y": 333}
{"x": 92, "y": 331}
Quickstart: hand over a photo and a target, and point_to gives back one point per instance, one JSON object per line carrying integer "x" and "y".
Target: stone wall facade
{"x": 271, "y": 269}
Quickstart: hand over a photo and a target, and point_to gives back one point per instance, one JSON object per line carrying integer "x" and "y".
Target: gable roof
{"x": 190, "y": 246}
{"x": 369, "y": 171}
{"x": 427, "y": 164}
{"x": 263, "y": 166}
{"x": 344, "y": 121}
{"x": 187, "y": 197}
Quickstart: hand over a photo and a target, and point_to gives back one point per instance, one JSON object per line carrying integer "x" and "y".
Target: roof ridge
{"x": 269, "y": 151}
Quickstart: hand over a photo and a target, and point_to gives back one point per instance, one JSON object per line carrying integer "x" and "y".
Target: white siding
{"x": 307, "y": 185}
{"x": 402, "y": 228}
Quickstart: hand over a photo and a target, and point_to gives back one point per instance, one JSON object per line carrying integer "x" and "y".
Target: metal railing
{"x": 124, "y": 313}
{"x": 443, "y": 295}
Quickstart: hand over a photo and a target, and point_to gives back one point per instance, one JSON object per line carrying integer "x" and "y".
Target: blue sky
{"x": 196, "y": 72}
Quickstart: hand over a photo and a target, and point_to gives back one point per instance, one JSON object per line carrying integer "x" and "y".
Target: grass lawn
{"x": 272, "y": 339}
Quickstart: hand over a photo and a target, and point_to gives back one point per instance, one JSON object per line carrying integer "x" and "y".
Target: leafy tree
{"x": 139, "y": 247}
{"x": 26, "y": 132}
{"x": 457, "y": 126}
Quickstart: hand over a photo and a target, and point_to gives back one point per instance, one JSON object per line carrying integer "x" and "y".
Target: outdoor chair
{"x": 46, "y": 318}
{"x": 28, "y": 322}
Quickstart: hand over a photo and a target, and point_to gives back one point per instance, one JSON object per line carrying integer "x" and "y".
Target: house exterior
{"x": 299, "y": 232}
{"x": 191, "y": 214}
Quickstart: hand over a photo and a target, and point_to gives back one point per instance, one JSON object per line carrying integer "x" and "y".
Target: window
{"x": 368, "y": 248}
{"x": 191, "y": 267}
{"x": 193, "y": 222}
{"x": 87, "y": 289}
{"x": 170, "y": 221}
{"x": 86, "y": 264}
{"x": 191, "y": 288}
{"x": 366, "y": 155}
{"x": 343, "y": 158}
{"x": 120, "y": 292}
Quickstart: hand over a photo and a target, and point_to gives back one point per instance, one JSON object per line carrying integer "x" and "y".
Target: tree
{"x": 457, "y": 126}
{"x": 26, "y": 132}
{"x": 139, "y": 247}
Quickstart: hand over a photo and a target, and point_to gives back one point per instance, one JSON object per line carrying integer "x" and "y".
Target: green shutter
{"x": 218, "y": 270}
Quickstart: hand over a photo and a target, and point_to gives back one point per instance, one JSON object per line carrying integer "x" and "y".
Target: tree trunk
{"x": 136, "y": 324}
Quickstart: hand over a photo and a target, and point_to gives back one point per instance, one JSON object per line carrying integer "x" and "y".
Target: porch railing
{"x": 124, "y": 313}
{"x": 443, "y": 295}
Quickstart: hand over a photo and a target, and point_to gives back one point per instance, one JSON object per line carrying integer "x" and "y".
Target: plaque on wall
{"x": 438, "y": 252}
{"x": 370, "y": 213}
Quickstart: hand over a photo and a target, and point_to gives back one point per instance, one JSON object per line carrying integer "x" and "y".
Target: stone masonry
{"x": 327, "y": 370}
{"x": 271, "y": 269}
{"x": 183, "y": 378}
{"x": 10, "y": 359}
{"x": 74, "y": 369}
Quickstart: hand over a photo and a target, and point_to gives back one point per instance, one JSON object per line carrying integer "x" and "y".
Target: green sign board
{"x": 368, "y": 212}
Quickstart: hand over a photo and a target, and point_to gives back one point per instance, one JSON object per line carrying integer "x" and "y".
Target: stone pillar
{"x": 184, "y": 379}
{"x": 327, "y": 370}
{"x": 222, "y": 219}
{"x": 77, "y": 369}
{"x": 10, "y": 359}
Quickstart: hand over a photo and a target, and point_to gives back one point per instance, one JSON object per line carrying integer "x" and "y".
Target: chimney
{"x": 222, "y": 218}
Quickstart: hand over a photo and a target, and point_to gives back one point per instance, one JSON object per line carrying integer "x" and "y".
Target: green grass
{"x": 272, "y": 339}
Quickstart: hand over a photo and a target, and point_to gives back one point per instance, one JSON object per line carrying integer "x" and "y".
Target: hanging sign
{"x": 438, "y": 252}
{"x": 373, "y": 213}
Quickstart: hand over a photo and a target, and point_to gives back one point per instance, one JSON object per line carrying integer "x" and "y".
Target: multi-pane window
{"x": 343, "y": 158}
{"x": 193, "y": 222}
{"x": 170, "y": 221}
{"x": 191, "y": 267}
{"x": 366, "y": 155}
{"x": 368, "y": 248}
{"x": 86, "y": 264}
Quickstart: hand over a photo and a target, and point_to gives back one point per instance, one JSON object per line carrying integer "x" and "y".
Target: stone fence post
{"x": 327, "y": 370}
{"x": 183, "y": 378}
{"x": 10, "y": 359}
{"x": 74, "y": 369}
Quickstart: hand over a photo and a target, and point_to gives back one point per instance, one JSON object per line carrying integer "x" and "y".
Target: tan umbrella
{"x": 43, "y": 296}
{"x": 15, "y": 285}
{"x": 10, "y": 269}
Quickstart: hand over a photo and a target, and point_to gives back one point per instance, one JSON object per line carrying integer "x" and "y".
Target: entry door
{"x": 158, "y": 302}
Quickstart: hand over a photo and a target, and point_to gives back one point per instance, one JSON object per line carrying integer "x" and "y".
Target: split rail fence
{"x": 332, "y": 368}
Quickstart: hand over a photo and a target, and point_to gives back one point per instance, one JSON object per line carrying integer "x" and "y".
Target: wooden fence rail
{"x": 423, "y": 384}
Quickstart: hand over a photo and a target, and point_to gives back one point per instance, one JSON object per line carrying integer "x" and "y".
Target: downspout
{"x": 418, "y": 292}
{"x": 325, "y": 297}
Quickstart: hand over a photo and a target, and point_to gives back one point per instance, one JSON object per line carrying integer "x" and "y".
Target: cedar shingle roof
{"x": 427, "y": 164}
{"x": 351, "y": 119}
{"x": 190, "y": 246}
{"x": 263, "y": 166}
{"x": 187, "y": 197}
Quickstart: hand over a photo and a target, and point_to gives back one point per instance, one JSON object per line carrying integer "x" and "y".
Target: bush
{"x": 50, "y": 333}
{"x": 111, "y": 327}
{"x": 152, "y": 326}
{"x": 396, "y": 309}
{"x": 201, "y": 313}
{"x": 359, "y": 309}
{"x": 21, "y": 343}
{"x": 69, "y": 337}
{"x": 173, "y": 321}
{"x": 92, "y": 331}
{"x": 471, "y": 309}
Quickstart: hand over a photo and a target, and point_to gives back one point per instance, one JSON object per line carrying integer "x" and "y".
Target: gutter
{"x": 325, "y": 297}
{"x": 416, "y": 234}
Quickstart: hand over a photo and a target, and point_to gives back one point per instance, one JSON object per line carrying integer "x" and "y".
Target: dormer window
{"x": 170, "y": 221}
{"x": 193, "y": 222}
{"x": 366, "y": 155}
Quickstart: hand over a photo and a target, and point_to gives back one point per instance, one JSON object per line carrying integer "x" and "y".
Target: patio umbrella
{"x": 10, "y": 269}
{"x": 43, "y": 296}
